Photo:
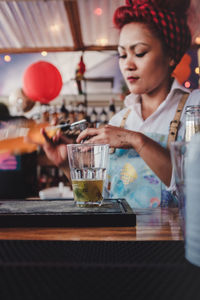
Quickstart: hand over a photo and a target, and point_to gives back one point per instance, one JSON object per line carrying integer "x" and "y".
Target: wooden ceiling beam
{"x": 55, "y": 49}
{"x": 72, "y": 11}
{"x": 66, "y": 49}
{"x": 34, "y": 50}
{"x": 100, "y": 48}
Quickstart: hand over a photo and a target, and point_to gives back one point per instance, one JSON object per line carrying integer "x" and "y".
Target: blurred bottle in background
{"x": 81, "y": 112}
{"x": 64, "y": 113}
{"x": 93, "y": 118}
{"x": 112, "y": 109}
{"x": 45, "y": 113}
{"x": 71, "y": 113}
{"x": 103, "y": 118}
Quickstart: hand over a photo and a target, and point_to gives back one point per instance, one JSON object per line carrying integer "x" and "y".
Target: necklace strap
{"x": 123, "y": 121}
{"x": 174, "y": 124}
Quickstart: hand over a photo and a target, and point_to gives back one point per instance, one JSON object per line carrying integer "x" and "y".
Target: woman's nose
{"x": 129, "y": 64}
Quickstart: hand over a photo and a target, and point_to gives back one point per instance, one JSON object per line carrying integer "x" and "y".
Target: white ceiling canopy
{"x": 70, "y": 25}
{"x": 65, "y": 25}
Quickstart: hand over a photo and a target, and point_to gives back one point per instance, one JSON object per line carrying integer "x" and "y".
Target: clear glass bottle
{"x": 192, "y": 114}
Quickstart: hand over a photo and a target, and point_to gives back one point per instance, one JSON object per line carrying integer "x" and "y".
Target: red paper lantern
{"x": 42, "y": 82}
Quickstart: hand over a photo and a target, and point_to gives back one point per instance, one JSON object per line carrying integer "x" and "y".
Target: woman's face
{"x": 142, "y": 61}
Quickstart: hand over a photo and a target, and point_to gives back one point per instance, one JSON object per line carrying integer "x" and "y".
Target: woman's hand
{"x": 156, "y": 157}
{"x": 114, "y": 136}
{"x": 55, "y": 148}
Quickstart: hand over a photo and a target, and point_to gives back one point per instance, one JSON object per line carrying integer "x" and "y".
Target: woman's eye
{"x": 122, "y": 55}
{"x": 140, "y": 54}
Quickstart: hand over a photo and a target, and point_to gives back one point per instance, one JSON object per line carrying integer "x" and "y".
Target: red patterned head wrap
{"x": 172, "y": 27}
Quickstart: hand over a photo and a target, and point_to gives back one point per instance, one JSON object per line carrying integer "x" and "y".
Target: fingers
{"x": 46, "y": 137}
{"x": 66, "y": 140}
{"x": 63, "y": 152}
{"x": 57, "y": 139}
{"x": 96, "y": 135}
{"x": 87, "y": 133}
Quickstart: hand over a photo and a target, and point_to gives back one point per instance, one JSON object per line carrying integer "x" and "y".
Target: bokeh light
{"x": 187, "y": 84}
{"x": 7, "y": 58}
{"x": 98, "y": 11}
{"x": 44, "y": 53}
{"x": 197, "y": 40}
{"x": 102, "y": 41}
{"x": 55, "y": 27}
{"x": 197, "y": 70}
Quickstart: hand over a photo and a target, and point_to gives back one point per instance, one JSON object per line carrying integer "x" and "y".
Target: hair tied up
{"x": 129, "y": 2}
{"x": 178, "y": 6}
{"x": 132, "y": 2}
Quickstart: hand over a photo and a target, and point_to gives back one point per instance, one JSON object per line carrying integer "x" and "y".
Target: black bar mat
{"x": 64, "y": 213}
{"x": 96, "y": 270}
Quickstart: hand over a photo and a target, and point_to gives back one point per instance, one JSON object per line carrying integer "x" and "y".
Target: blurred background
{"x": 60, "y": 32}
{"x": 78, "y": 39}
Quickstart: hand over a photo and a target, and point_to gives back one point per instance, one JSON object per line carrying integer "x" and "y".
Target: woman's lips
{"x": 132, "y": 79}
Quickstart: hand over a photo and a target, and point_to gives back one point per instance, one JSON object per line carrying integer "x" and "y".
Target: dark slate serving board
{"x": 64, "y": 213}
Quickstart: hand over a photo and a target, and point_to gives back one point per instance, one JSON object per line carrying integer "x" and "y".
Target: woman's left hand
{"x": 114, "y": 136}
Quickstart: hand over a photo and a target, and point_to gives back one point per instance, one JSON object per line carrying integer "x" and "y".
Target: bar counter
{"x": 151, "y": 224}
{"x": 145, "y": 261}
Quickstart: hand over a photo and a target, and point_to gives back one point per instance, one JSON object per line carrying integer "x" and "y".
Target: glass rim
{"x": 86, "y": 145}
{"x": 192, "y": 106}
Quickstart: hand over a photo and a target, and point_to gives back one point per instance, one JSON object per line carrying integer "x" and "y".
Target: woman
{"x": 153, "y": 39}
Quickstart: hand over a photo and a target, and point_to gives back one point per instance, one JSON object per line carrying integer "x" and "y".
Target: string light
{"x": 98, "y": 11}
{"x": 187, "y": 84}
{"x": 44, "y": 53}
{"x": 197, "y": 40}
{"x": 197, "y": 70}
{"x": 102, "y": 41}
{"x": 55, "y": 27}
{"x": 7, "y": 58}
